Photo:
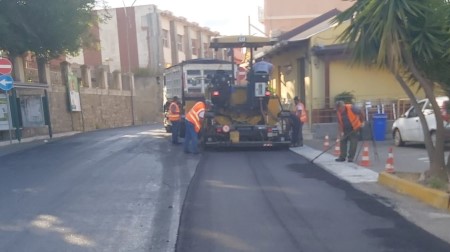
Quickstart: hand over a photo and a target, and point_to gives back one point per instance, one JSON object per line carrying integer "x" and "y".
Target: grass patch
{"x": 437, "y": 183}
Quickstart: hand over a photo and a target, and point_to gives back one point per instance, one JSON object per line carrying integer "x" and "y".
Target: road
{"x": 129, "y": 189}
{"x": 279, "y": 201}
{"x": 110, "y": 190}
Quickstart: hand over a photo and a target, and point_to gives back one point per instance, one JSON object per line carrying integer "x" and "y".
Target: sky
{"x": 228, "y": 17}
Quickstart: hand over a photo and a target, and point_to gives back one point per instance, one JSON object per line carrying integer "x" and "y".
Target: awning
{"x": 241, "y": 41}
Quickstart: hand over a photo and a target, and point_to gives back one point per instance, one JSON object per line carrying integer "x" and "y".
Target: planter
{"x": 404, "y": 184}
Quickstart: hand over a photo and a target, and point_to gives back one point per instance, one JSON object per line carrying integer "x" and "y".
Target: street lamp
{"x": 129, "y": 60}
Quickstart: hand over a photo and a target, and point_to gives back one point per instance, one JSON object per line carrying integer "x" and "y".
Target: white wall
{"x": 109, "y": 42}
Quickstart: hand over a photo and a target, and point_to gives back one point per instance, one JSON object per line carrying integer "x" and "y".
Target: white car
{"x": 407, "y": 127}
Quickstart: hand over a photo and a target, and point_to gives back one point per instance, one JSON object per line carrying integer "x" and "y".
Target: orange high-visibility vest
{"x": 303, "y": 116}
{"x": 174, "y": 116}
{"x": 193, "y": 115}
{"x": 354, "y": 119}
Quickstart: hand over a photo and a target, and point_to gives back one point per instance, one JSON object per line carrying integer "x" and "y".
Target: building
{"x": 310, "y": 63}
{"x": 280, "y": 16}
{"x": 144, "y": 39}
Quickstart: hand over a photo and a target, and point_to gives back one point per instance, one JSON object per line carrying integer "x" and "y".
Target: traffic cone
{"x": 337, "y": 147}
{"x": 389, "y": 168}
{"x": 365, "y": 159}
{"x": 326, "y": 143}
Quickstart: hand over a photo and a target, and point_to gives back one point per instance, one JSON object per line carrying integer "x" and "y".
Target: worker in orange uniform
{"x": 174, "y": 117}
{"x": 350, "y": 121}
{"x": 300, "y": 112}
{"x": 194, "y": 120}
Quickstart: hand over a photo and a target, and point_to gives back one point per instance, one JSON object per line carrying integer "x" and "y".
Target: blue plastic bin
{"x": 379, "y": 127}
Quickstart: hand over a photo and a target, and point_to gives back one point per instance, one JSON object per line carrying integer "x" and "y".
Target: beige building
{"x": 310, "y": 63}
{"x": 280, "y": 16}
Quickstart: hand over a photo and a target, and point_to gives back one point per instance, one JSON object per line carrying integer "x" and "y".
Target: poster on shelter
{"x": 4, "y": 113}
{"x": 74, "y": 93}
{"x": 32, "y": 111}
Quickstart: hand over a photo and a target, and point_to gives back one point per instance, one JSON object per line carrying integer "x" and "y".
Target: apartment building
{"x": 144, "y": 38}
{"x": 279, "y": 16}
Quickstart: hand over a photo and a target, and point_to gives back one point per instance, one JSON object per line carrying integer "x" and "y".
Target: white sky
{"x": 228, "y": 17}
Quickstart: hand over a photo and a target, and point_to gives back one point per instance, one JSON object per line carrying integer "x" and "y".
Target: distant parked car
{"x": 407, "y": 127}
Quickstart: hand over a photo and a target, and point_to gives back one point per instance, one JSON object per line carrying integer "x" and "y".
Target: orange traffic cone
{"x": 365, "y": 159}
{"x": 389, "y": 168}
{"x": 326, "y": 143}
{"x": 337, "y": 148}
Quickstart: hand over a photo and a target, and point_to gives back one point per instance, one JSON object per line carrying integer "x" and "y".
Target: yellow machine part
{"x": 239, "y": 95}
{"x": 273, "y": 108}
{"x": 232, "y": 117}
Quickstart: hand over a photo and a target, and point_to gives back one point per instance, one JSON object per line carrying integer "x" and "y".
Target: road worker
{"x": 194, "y": 120}
{"x": 300, "y": 112}
{"x": 174, "y": 117}
{"x": 350, "y": 121}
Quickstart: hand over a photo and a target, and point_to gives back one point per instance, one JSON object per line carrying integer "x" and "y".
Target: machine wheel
{"x": 168, "y": 129}
{"x": 398, "y": 138}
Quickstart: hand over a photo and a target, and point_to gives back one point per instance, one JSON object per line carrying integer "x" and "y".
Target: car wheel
{"x": 433, "y": 137}
{"x": 398, "y": 138}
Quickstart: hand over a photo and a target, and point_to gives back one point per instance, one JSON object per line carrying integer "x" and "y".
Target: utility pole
{"x": 250, "y": 26}
{"x": 129, "y": 59}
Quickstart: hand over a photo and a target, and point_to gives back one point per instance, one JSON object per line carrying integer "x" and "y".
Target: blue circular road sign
{"x": 6, "y": 82}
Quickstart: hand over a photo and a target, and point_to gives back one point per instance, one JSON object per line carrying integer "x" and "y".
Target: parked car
{"x": 407, "y": 128}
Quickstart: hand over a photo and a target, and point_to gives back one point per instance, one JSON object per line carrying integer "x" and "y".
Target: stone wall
{"x": 105, "y": 102}
{"x": 148, "y": 100}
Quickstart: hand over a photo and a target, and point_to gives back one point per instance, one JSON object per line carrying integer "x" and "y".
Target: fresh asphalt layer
{"x": 280, "y": 201}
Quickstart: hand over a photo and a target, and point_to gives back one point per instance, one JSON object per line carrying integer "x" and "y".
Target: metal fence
{"x": 392, "y": 108}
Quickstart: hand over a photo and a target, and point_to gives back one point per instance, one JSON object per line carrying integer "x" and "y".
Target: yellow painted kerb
{"x": 430, "y": 196}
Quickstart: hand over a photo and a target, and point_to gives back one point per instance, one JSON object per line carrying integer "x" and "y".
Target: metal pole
{"x": 50, "y": 131}
{"x": 9, "y": 117}
{"x": 329, "y": 147}
{"x": 249, "y": 26}
{"x": 17, "y": 112}
{"x": 129, "y": 60}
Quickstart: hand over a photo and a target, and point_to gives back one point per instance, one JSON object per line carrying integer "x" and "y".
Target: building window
{"x": 194, "y": 47}
{"x": 180, "y": 42}
{"x": 165, "y": 38}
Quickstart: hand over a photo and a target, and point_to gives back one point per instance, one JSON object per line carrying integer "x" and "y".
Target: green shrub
{"x": 345, "y": 96}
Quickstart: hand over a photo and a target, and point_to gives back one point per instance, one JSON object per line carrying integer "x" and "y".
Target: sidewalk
{"x": 435, "y": 221}
{"x": 7, "y": 147}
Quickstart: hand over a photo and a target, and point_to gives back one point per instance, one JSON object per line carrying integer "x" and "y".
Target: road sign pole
{"x": 9, "y": 116}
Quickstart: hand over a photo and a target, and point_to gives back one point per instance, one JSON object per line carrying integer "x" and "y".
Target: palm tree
{"x": 410, "y": 38}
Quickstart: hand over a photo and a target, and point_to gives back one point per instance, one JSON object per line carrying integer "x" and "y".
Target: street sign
{"x": 6, "y": 82}
{"x": 5, "y": 66}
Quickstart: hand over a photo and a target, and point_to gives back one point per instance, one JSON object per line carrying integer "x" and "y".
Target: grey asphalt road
{"x": 279, "y": 201}
{"x": 110, "y": 190}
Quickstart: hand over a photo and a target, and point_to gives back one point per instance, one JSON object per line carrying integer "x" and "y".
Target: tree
{"x": 49, "y": 29}
{"x": 410, "y": 38}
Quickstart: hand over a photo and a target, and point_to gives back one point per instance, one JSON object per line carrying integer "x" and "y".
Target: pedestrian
{"x": 194, "y": 120}
{"x": 174, "y": 117}
{"x": 300, "y": 112}
{"x": 350, "y": 121}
